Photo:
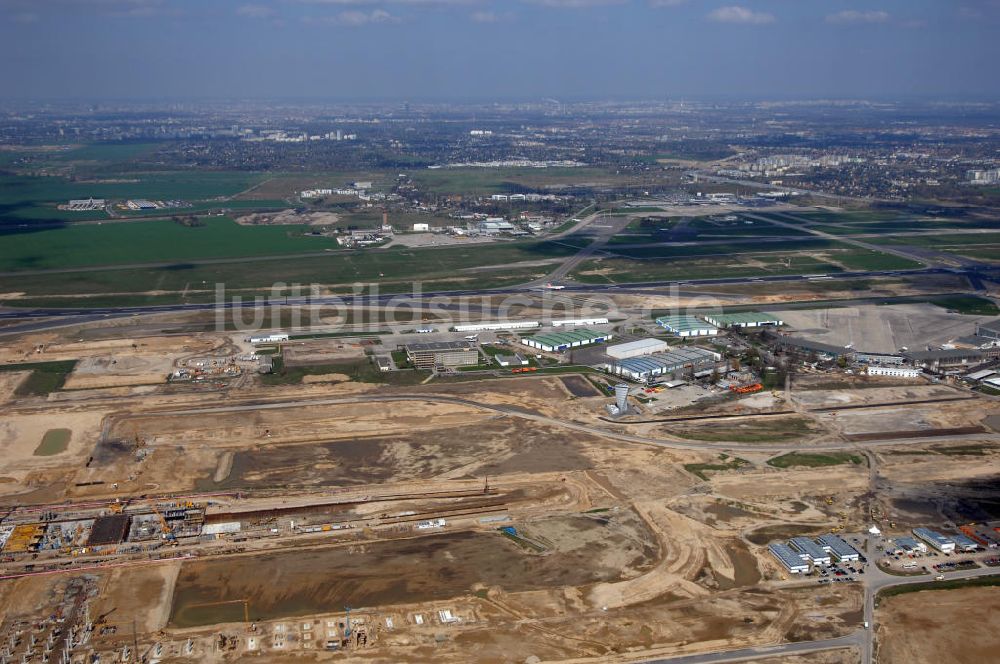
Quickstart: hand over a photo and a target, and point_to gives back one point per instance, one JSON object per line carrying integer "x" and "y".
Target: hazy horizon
{"x": 475, "y": 50}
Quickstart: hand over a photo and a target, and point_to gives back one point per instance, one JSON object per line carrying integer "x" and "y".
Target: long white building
{"x": 566, "y": 322}
{"x": 499, "y": 325}
{"x": 893, "y": 372}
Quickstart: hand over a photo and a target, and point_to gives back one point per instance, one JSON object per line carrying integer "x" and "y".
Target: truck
{"x": 939, "y": 577}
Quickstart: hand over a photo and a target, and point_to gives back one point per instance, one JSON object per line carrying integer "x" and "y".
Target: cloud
{"x": 659, "y": 4}
{"x": 255, "y": 11}
{"x": 854, "y": 16}
{"x": 575, "y": 4}
{"x": 737, "y": 14}
{"x": 484, "y": 17}
{"x": 354, "y": 18}
{"x": 114, "y": 8}
{"x": 359, "y": 3}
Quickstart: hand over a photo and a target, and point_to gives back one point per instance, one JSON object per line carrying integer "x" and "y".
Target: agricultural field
{"x": 676, "y": 264}
{"x": 983, "y": 246}
{"x": 34, "y": 199}
{"x": 152, "y": 241}
{"x": 485, "y": 181}
{"x": 393, "y": 269}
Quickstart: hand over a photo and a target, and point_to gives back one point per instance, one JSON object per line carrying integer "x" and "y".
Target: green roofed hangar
{"x": 743, "y": 319}
{"x": 560, "y": 341}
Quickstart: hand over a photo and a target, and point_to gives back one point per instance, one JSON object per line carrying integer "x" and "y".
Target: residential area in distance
{"x": 525, "y": 332}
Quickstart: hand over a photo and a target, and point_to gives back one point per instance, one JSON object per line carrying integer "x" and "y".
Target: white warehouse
{"x": 789, "y": 559}
{"x": 894, "y": 372}
{"x": 637, "y": 348}
{"x": 500, "y": 325}
{"x": 269, "y": 339}
{"x": 579, "y": 321}
{"x": 936, "y": 539}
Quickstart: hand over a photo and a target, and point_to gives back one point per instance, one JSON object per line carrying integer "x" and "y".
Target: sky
{"x": 428, "y": 50}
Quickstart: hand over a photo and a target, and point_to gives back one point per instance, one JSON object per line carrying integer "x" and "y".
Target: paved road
{"x": 760, "y": 652}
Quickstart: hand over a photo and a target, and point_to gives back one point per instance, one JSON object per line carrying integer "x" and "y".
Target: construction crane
{"x": 168, "y": 533}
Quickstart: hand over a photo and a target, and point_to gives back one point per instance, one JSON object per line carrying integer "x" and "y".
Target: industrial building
{"x": 442, "y": 354}
{"x": 980, "y": 375}
{"x": 989, "y": 329}
{"x": 935, "y": 539}
{"x": 838, "y": 548}
{"x": 893, "y": 372}
{"x": 687, "y": 326}
{"x": 557, "y": 342}
{"x": 269, "y": 339}
{"x": 664, "y": 364}
{"x": 879, "y": 359}
{"x": 788, "y": 558}
{"x": 910, "y": 545}
{"x": 963, "y": 543}
{"x": 937, "y": 360}
{"x": 821, "y": 350}
{"x": 637, "y": 348}
{"x": 744, "y": 319}
{"x": 572, "y": 322}
{"x": 514, "y": 360}
{"x": 499, "y": 325}
{"x": 811, "y": 551}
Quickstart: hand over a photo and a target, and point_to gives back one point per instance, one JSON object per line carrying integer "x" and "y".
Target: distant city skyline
{"x": 486, "y": 49}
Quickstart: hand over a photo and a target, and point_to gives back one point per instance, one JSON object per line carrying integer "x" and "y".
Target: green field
{"x": 729, "y": 248}
{"x": 479, "y": 181}
{"x": 904, "y": 226}
{"x": 621, "y": 271}
{"x": 793, "y": 459}
{"x": 25, "y": 198}
{"x": 970, "y": 305}
{"x": 847, "y": 216}
{"x": 726, "y": 463}
{"x": 362, "y": 371}
{"x": 438, "y": 268}
{"x": 45, "y": 377}
{"x": 105, "y": 153}
{"x": 151, "y": 241}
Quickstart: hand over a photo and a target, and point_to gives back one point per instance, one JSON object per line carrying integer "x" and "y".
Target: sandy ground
{"x": 63, "y": 346}
{"x": 9, "y": 380}
{"x": 321, "y": 351}
{"x": 935, "y": 626}
{"x": 678, "y": 562}
{"x": 120, "y": 370}
{"x": 821, "y": 398}
{"x": 20, "y": 436}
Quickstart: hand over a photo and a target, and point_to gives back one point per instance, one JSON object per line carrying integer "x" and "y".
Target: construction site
{"x": 421, "y": 516}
